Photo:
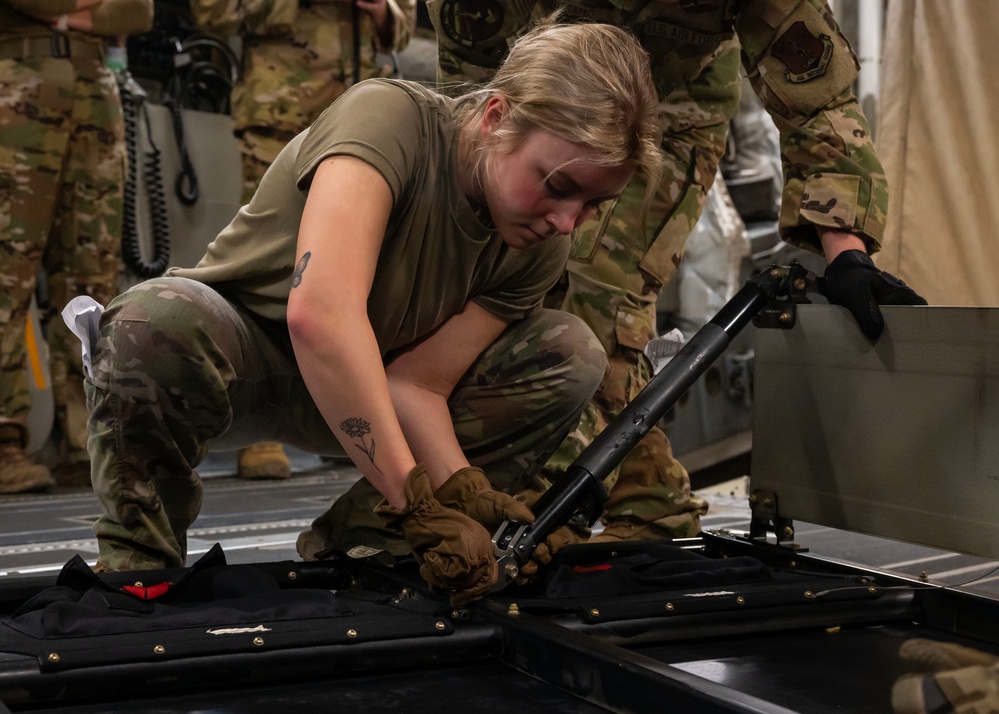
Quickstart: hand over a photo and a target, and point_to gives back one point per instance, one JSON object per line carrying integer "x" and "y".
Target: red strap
{"x": 592, "y": 568}
{"x": 150, "y": 593}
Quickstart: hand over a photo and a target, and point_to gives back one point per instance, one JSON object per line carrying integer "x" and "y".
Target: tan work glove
{"x": 469, "y": 491}
{"x": 454, "y": 552}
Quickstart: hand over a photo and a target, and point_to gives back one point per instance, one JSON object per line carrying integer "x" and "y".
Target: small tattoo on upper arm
{"x": 296, "y": 277}
{"x": 357, "y": 429}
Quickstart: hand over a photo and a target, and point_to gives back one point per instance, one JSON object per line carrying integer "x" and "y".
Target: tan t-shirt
{"x": 436, "y": 255}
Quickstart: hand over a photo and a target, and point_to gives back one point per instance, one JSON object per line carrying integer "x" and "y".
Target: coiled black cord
{"x": 186, "y": 185}
{"x": 130, "y": 250}
{"x": 198, "y": 83}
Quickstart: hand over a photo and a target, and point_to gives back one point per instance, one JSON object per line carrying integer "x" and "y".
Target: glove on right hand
{"x": 469, "y": 491}
{"x": 454, "y": 552}
{"x": 853, "y": 281}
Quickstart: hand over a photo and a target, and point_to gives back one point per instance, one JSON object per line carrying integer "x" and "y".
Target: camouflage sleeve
{"x": 247, "y": 17}
{"x": 122, "y": 17}
{"x": 803, "y": 69}
{"x": 403, "y": 22}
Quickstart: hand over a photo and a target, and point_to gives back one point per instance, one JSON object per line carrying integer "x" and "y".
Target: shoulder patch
{"x": 466, "y": 22}
{"x": 805, "y": 54}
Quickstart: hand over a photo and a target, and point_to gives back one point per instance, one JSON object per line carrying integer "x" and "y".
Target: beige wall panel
{"x": 938, "y": 136}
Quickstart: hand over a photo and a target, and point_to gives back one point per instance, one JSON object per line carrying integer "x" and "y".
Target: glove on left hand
{"x": 853, "y": 281}
{"x": 469, "y": 491}
{"x": 543, "y": 554}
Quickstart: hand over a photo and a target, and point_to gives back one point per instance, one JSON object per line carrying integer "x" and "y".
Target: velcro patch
{"x": 805, "y": 54}
{"x": 467, "y": 22}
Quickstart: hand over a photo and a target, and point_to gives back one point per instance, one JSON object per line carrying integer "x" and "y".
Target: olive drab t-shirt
{"x": 436, "y": 255}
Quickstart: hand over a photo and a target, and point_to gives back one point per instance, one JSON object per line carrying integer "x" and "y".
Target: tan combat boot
{"x": 264, "y": 460}
{"x": 651, "y": 498}
{"x": 18, "y": 473}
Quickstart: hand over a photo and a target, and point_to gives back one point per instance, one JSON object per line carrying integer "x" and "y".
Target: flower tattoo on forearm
{"x": 357, "y": 429}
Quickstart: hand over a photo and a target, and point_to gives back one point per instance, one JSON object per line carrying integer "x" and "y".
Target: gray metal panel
{"x": 214, "y": 154}
{"x": 898, "y": 439}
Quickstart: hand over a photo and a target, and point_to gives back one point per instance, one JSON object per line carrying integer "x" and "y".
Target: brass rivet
{"x": 595, "y": 612}
{"x": 351, "y": 633}
{"x": 670, "y": 606}
{"x": 809, "y": 593}
{"x": 258, "y": 641}
{"x": 159, "y": 649}
{"x": 741, "y": 600}
{"x": 872, "y": 590}
{"x": 138, "y": 583}
{"x": 439, "y": 625}
{"x": 292, "y": 575}
{"x": 785, "y": 317}
{"x": 513, "y": 609}
{"x": 54, "y": 657}
{"x": 776, "y": 273}
{"x": 455, "y": 614}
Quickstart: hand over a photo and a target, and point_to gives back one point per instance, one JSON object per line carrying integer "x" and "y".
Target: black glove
{"x": 853, "y": 281}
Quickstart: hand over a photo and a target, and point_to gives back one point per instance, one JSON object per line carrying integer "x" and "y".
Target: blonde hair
{"x": 588, "y": 83}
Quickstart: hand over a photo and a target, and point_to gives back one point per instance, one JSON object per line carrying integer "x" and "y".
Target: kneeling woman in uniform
{"x": 380, "y": 297}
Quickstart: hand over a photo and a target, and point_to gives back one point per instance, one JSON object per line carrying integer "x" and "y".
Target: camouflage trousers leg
{"x": 62, "y": 167}
{"x": 649, "y": 493}
{"x": 179, "y": 369}
{"x": 510, "y": 411}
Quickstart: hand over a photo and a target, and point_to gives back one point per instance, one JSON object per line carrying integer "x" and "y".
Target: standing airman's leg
{"x": 35, "y": 111}
{"x": 82, "y": 256}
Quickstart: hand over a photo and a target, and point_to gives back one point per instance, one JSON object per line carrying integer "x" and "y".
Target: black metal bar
{"x": 580, "y": 492}
{"x": 663, "y": 391}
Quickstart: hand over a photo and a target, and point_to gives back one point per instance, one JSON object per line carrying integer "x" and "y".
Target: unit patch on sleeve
{"x": 805, "y": 54}
{"x": 466, "y": 22}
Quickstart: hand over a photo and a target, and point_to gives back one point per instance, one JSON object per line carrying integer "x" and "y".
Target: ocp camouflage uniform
{"x": 802, "y": 68}
{"x": 297, "y": 59}
{"x": 241, "y": 384}
{"x": 62, "y": 170}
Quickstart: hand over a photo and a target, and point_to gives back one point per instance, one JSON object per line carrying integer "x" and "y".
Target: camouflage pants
{"x": 607, "y": 286}
{"x": 178, "y": 369}
{"x": 62, "y": 168}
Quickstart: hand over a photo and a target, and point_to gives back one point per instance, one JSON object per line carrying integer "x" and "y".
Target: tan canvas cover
{"x": 938, "y": 137}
